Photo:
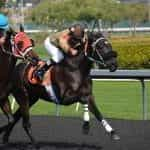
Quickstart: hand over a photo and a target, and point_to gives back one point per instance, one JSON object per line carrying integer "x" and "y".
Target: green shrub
{"x": 133, "y": 53}
{"x": 39, "y": 37}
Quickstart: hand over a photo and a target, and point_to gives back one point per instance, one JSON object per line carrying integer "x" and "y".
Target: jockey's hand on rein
{"x": 73, "y": 52}
{"x": 34, "y": 61}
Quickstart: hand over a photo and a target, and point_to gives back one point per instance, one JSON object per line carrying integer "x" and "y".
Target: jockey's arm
{"x": 63, "y": 43}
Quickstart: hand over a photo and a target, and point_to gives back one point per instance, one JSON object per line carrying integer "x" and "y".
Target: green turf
{"x": 115, "y": 99}
{"x": 40, "y": 50}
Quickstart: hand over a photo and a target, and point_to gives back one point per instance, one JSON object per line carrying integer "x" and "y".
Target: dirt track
{"x": 53, "y": 133}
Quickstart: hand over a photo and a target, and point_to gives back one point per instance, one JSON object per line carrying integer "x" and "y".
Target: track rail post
{"x": 144, "y": 99}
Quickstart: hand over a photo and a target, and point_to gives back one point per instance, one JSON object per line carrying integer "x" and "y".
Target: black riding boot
{"x": 40, "y": 73}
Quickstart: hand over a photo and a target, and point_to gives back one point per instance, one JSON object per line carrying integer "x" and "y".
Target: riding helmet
{"x": 77, "y": 31}
{"x": 3, "y": 22}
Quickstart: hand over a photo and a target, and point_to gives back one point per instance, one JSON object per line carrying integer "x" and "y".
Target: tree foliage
{"x": 2, "y": 3}
{"x": 110, "y": 11}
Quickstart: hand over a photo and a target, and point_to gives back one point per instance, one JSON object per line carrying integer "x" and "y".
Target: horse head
{"x": 23, "y": 45}
{"x": 101, "y": 52}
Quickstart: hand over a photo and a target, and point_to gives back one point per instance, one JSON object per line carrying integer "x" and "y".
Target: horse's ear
{"x": 21, "y": 28}
{"x": 33, "y": 43}
{"x": 11, "y": 31}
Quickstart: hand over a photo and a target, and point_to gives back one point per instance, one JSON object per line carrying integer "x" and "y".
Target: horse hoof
{"x": 33, "y": 142}
{"x": 3, "y": 129}
{"x": 115, "y": 136}
{"x": 5, "y": 140}
{"x": 86, "y": 128}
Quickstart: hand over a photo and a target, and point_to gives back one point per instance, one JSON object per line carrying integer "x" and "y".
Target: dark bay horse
{"x": 71, "y": 82}
{"x": 8, "y": 61}
{"x": 7, "y": 64}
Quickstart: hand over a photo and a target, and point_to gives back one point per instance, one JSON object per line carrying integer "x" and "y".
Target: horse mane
{"x": 7, "y": 44}
{"x": 94, "y": 34}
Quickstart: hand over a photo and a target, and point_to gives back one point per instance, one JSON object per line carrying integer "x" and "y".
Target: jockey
{"x": 58, "y": 42}
{"x": 4, "y": 25}
{"x": 56, "y": 45}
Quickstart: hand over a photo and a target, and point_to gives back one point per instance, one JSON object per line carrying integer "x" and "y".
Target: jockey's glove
{"x": 34, "y": 61}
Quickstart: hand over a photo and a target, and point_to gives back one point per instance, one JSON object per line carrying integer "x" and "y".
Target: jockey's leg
{"x": 56, "y": 57}
{"x": 40, "y": 72}
{"x": 51, "y": 92}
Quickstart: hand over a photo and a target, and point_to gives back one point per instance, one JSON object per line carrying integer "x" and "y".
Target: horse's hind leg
{"x": 26, "y": 121}
{"x": 22, "y": 98}
{"x": 93, "y": 108}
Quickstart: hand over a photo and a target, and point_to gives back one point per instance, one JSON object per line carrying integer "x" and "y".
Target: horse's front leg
{"x": 23, "y": 101}
{"x": 93, "y": 108}
{"x": 8, "y": 128}
{"x": 86, "y": 119}
{"x": 5, "y": 106}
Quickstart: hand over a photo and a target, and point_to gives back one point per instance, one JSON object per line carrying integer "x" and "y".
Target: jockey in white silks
{"x": 55, "y": 44}
{"x": 58, "y": 42}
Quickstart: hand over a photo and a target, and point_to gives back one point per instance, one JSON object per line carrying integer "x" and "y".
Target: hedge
{"x": 133, "y": 52}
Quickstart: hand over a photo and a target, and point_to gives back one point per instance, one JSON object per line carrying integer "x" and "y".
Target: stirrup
{"x": 40, "y": 74}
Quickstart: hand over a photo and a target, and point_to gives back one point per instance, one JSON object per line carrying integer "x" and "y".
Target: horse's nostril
{"x": 112, "y": 68}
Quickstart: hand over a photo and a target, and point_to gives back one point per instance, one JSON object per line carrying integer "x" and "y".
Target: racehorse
{"x": 71, "y": 81}
{"x": 7, "y": 64}
{"x": 8, "y": 59}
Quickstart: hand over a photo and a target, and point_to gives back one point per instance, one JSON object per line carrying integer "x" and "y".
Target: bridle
{"x": 11, "y": 54}
{"x": 95, "y": 51}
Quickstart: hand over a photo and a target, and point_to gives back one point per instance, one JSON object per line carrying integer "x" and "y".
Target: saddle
{"x": 32, "y": 77}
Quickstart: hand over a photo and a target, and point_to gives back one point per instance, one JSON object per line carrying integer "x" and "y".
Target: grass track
{"x": 115, "y": 99}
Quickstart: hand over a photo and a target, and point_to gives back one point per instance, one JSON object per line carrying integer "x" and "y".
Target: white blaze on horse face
{"x": 106, "y": 125}
{"x": 86, "y": 115}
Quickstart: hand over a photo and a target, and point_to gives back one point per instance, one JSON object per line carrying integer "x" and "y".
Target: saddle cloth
{"x": 33, "y": 79}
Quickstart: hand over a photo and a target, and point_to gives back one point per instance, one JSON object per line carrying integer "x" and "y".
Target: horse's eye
{"x": 20, "y": 44}
{"x": 106, "y": 42}
{"x": 32, "y": 41}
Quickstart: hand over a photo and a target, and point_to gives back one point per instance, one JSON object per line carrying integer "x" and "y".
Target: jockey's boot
{"x": 40, "y": 72}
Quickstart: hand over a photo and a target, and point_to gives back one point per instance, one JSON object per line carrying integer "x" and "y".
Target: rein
{"x": 6, "y": 52}
{"x": 99, "y": 39}
{"x": 96, "y": 61}
{"x": 9, "y": 53}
